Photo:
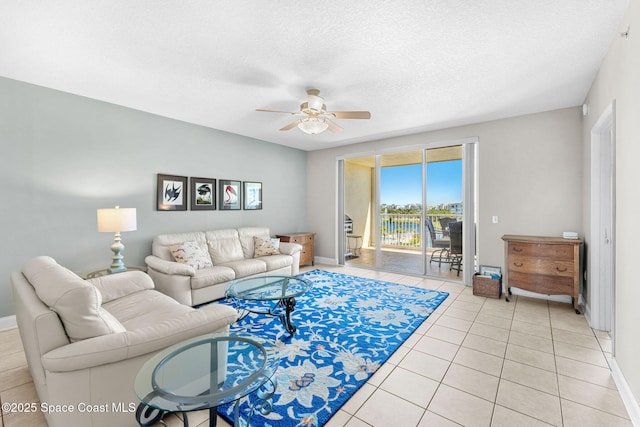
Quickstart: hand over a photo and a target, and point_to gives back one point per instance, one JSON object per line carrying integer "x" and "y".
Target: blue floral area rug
{"x": 348, "y": 327}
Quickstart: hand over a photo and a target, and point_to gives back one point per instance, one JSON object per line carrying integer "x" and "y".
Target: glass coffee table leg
{"x": 147, "y": 416}
{"x": 289, "y": 305}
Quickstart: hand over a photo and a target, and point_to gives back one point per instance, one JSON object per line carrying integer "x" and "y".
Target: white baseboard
{"x": 625, "y": 392}
{"x": 557, "y": 298}
{"x": 326, "y": 261}
{"x": 8, "y": 322}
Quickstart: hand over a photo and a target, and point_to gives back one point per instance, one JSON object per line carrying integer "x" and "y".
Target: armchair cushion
{"x": 114, "y": 286}
{"x": 76, "y": 301}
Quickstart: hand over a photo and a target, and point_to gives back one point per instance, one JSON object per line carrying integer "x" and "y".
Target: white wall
{"x": 619, "y": 80}
{"x": 529, "y": 172}
{"x": 358, "y": 195}
{"x": 64, "y": 156}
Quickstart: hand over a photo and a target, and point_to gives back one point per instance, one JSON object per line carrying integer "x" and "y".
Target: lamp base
{"x": 113, "y": 269}
{"x": 117, "y": 266}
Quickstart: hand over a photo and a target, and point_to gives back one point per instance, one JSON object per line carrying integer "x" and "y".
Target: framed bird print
{"x": 203, "y": 194}
{"x": 252, "y": 195}
{"x": 229, "y": 195}
{"x": 172, "y": 193}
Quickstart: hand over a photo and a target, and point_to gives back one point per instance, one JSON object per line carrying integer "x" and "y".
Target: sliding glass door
{"x": 397, "y": 207}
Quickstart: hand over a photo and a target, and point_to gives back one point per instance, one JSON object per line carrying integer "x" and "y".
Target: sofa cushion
{"x": 191, "y": 253}
{"x": 265, "y": 246}
{"x": 276, "y": 262}
{"x": 247, "y": 267}
{"x": 246, "y": 235}
{"x": 212, "y": 276}
{"x": 161, "y": 243}
{"x": 224, "y": 246}
{"x": 76, "y": 301}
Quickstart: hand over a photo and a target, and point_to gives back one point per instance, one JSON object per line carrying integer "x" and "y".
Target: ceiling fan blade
{"x": 291, "y": 125}
{"x": 350, "y": 114}
{"x": 333, "y": 127}
{"x": 276, "y": 111}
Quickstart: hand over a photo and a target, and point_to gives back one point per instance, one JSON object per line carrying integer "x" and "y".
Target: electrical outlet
{"x": 494, "y": 219}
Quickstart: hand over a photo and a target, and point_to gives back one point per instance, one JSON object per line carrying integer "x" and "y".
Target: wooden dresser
{"x": 544, "y": 265}
{"x": 307, "y": 254}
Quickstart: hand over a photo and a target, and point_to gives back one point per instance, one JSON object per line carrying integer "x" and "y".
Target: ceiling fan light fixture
{"x": 313, "y": 125}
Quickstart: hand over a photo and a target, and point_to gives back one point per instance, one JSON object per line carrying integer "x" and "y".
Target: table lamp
{"x": 116, "y": 220}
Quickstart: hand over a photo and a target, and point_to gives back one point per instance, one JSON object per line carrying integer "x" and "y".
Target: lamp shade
{"x": 117, "y": 219}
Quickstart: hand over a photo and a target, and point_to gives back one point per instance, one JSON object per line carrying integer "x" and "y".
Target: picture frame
{"x": 229, "y": 195}
{"x": 171, "y": 192}
{"x": 487, "y": 270}
{"x": 203, "y": 194}
{"x": 252, "y": 195}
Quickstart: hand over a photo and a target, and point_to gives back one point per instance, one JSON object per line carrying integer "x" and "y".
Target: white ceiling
{"x": 417, "y": 65}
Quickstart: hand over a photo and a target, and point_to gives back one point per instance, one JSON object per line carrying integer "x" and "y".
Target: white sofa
{"x": 85, "y": 340}
{"x": 232, "y": 255}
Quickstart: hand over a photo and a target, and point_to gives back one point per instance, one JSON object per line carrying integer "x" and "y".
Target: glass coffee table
{"x": 277, "y": 292}
{"x": 205, "y": 372}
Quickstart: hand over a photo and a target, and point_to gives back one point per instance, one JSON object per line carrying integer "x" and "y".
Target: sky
{"x": 402, "y": 185}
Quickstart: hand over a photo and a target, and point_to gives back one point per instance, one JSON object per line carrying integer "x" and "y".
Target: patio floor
{"x": 403, "y": 261}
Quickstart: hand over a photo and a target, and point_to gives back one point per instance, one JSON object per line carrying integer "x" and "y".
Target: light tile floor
{"x": 475, "y": 362}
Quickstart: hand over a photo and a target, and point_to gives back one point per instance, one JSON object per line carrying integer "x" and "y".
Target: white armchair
{"x": 85, "y": 340}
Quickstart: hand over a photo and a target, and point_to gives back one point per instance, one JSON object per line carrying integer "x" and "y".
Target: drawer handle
{"x": 518, "y": 264}
{"x": 561, "y": 270}
{"x": 516, "y": 249}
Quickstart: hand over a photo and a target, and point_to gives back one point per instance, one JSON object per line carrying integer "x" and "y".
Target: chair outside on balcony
{"x": 444, "y": 224}
{"x": 441, "y": 254}
{"x": 455, "y": 251}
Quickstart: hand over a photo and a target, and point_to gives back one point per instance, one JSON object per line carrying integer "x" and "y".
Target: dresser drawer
{"x": 542, "y": 284}
{"x": 302, "y": 240}
{"x": 537, "y": 250}
{"x": 542, "y": 265}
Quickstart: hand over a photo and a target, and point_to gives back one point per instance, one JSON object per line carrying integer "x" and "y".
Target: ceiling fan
{"x": 314, "y": 117}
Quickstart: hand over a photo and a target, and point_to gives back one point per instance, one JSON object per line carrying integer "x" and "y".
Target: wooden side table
{"x": 104, "y": 272}
{"x": 305, "y": 239}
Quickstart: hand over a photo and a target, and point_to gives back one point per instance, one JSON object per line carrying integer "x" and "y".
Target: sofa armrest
{"x": 120, "y": 346}
{"x": 169, "y": 267}
{"x": 288, "y": 248}
{"x": 114, "y": 286}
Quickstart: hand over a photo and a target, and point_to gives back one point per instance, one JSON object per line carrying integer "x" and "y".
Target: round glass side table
{"x": 205, "y": 372}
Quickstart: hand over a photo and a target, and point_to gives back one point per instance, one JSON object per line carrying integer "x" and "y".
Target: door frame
{"x": 470, "y": 186}
{"x": 601, "y": 296}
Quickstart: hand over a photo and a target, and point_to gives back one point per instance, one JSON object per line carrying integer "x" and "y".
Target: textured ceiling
{"x": 415, "y": 65}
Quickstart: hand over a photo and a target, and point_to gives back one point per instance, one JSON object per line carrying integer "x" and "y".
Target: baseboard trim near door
{"x": 625, "y": 392}
{"x": 8, "y": 322}
{"x": 326, "y": 261}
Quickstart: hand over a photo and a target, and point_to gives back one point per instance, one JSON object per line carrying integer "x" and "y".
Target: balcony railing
{"x": 403, "y": 230}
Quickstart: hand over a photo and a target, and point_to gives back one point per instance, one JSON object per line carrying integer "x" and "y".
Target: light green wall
{"x": 619, "y": 80}
{"x": 64, "y": 156}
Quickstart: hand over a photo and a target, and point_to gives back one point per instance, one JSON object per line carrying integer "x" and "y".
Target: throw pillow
{"x": 265, "y": 246}
{"x": 192, "y": 254}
